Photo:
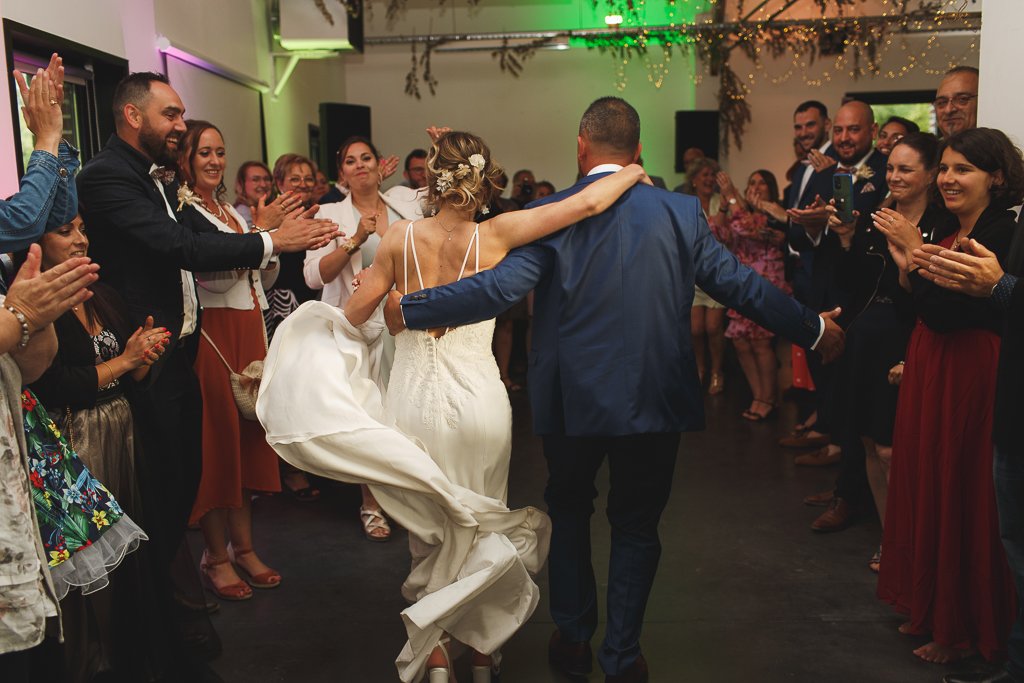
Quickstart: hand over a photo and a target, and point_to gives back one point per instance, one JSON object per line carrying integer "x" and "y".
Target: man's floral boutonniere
{"x": 186, "y": 197}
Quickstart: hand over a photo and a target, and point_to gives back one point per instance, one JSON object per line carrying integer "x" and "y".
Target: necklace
{"x": 956, "y": 242}
{"x": 447, "y": 230}
{"x": 376, "y": 213}
{"x": 219, "y": 214}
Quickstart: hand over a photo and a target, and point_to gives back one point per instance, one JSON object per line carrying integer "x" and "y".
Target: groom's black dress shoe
{"x": 568, "y": 658}
{"x": 1000, "y": 675}
{"x": 636, "y": 673}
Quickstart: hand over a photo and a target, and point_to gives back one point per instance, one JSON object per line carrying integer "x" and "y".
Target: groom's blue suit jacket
{"x": 611, "y": 352}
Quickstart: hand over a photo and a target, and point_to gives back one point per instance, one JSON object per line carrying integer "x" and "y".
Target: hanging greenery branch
{"x": 511, "y": 57}
{"x": 855, "y": 40}
{"x": 733, "y": 108}
{"x": 420, "y": 71}
{"x": 352, "y": 8}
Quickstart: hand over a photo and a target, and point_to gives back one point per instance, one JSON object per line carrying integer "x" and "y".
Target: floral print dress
{"x": 758, "y": 245}
{"x": 84, "y": 531}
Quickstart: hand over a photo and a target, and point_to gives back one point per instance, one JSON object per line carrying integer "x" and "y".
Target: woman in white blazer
{"x": 236, "y": 457}
{"x": 363, "y": 216}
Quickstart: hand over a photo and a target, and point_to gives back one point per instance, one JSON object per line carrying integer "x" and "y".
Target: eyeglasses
{"x": 960, "y": 100}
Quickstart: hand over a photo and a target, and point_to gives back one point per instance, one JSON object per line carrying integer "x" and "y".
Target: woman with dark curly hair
{"x": 944, "y": 566}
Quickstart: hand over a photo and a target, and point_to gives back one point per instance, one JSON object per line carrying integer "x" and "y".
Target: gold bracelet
{"x": 350, "y": 245}
{"x": 104, "y": 364}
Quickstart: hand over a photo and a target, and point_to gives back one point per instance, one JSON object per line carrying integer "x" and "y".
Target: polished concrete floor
{"x": 745, "y": 591}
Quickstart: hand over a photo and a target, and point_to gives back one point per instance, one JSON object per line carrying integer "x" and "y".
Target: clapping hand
{"x": 300, "y": 231}
{"x": 725, "y": 185}
{"x": 387, "y": 167}
{"x": 146, "y": 345}
{"x": 767, "y": 206}
{"x": 813, "y": 218}
{"x": 42, "y": 108}
{"x": 42, "y": 297}
{"x": 819, "y": 162}
{"x": 975, "y": 271}
{"x": 270, "y": 216}
{"x": 897, "y": 229}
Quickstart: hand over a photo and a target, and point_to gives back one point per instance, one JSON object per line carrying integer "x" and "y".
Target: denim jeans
{"x": 1008, "y": 472}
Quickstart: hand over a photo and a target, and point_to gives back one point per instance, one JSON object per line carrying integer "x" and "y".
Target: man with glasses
{"x": 956, "y": 101}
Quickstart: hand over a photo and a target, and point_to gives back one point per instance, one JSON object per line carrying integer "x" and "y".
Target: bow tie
{"x": 163, "y": 174}
{"x": 852, "y": 170}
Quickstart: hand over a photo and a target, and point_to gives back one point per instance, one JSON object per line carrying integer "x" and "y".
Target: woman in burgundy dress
{"x": 944, "y": 565}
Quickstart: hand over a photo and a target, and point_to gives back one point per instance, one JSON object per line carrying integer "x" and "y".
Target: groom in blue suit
{"x": 612, "y": 373}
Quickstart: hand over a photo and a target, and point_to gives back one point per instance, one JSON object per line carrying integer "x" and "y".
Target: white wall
{"x": 531, "y": 121}
{"x": 232, "y": 33}
{"x": 1000, "y": 93}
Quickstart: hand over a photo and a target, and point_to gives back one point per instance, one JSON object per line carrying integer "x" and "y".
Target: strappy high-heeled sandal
{"x": 267, "y": 579}
{"x": 446, "y": 673}
{"x": 372, "y": 521}
{"x": 237, "y": 591}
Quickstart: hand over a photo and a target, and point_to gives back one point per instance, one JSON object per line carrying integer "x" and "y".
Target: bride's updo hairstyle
{"x": 461, "y": 173}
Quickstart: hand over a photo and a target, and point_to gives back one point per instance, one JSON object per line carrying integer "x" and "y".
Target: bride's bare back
{"x": 441, "y": 258}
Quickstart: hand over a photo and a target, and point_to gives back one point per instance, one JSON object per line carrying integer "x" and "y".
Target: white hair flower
{"x": 444, "y": 181}
{"x": 477, "y": 161}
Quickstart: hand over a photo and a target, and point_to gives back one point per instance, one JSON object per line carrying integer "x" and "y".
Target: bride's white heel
{"x": 486, "y": 673}
{"x": 446, "y": 673}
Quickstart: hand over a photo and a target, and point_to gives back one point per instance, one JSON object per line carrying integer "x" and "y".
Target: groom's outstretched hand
{"x": 833, "y": 339}
{"x": 393, "y": 312}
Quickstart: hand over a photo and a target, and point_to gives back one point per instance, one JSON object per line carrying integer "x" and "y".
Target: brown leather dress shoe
{"x": 804, "y": 441}
{"x": 836, "y": 518}
{"x": 820, "y": 500}
{"x": 571, "y": 659}
{"x": 636, "y": 673}
{"x": 819, "y": 458}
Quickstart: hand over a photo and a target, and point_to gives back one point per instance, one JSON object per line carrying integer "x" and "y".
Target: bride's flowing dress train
{"x": 435, "y": 454}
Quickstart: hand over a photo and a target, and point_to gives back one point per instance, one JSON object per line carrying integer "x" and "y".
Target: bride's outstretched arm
{"x": 516, "y": 228}
{"x": 376, "y": 281}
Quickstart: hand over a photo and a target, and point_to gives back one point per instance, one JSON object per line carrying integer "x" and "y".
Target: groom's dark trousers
{"x": 612, "y": 376}
{"x": 640, "y": 469}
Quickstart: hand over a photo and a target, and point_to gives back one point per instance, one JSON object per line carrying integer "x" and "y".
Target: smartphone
{"x": 842, "y": 193}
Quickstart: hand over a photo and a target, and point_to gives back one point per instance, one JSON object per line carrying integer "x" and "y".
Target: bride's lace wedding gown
{"x": 447, "y": 392}
{"x": 435, "y": 452}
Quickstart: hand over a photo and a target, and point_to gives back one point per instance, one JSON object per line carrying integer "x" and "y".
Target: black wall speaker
{"x": 337, "y": 123}
{"x": 696, "y": 129}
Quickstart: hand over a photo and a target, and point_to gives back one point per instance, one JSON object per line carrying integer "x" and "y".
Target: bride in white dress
{"x": 471, "y": 556}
